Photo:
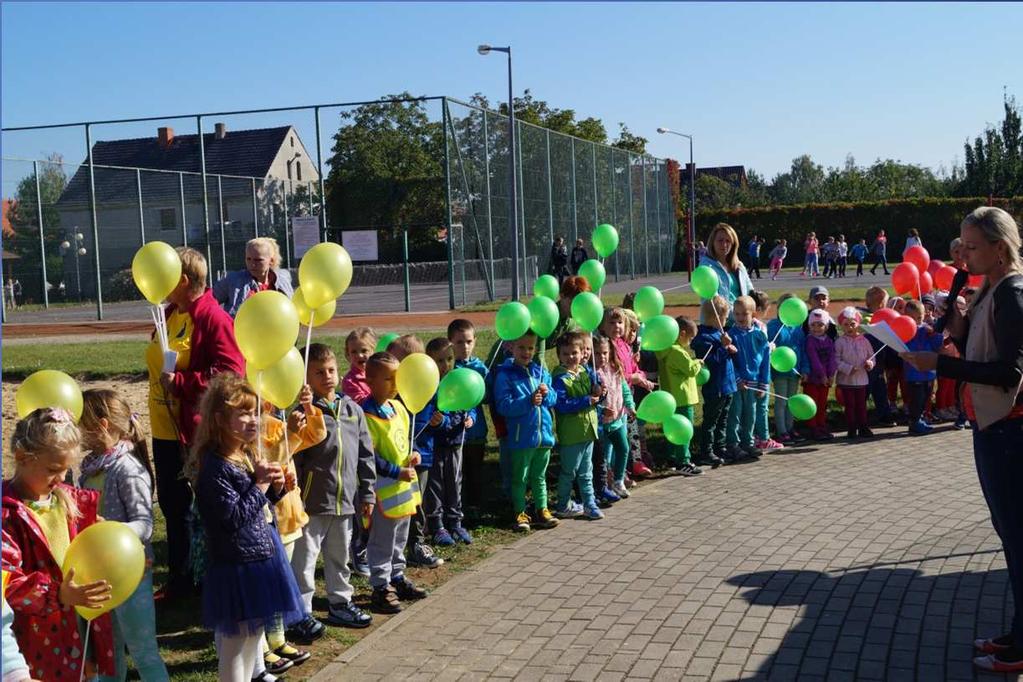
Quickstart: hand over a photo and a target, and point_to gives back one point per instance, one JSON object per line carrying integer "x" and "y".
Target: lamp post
{"x": 513, "y": 212}
{"x": 691, "y": 235}
{"x": 79, "y": 250}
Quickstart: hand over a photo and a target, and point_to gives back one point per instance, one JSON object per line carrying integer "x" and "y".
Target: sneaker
{"x": 619, "y": 489}
{"x": 592, "y": 513}
{"x": 1005, "y": 661}
{"x": 423, "y": 556}
{"x": 629, "y": 483}
{"x": 786, "y": 439}
{"x": 571, "y": 511}
{"x": 443, "y": 538}
{"x": 522, "y": 522}
{"x": 640, "y": 470}
{"x": 735, "y": 454}
{"x": 993, "y": 645}
{"x": 306, "y": 631}
{"x": 752, "y": 450}
{"x": 407, "y": 590}
{"x": 709, "y": 460}
{"x": 852, "y": 434}
{"x": 348, "y": 615}
{"x": 920, "y": 428}
{"x": 821, "y": 434}
{"x": 961, "y": 423}
{"x": 275, "y": 665}
{"x": 545, "y": 519}
{"x": 360, "y": 566}
{"x": 296, "y": 656}
{"x": 769, "y": 444}
{"x": 689, "y": 470}
{"x": 265, "y": 676}
{"x": 797, "y": 437}
{"x": 461, "y": 534}
{"x": 608, "y": 495}
{"x": 385, "y": 600}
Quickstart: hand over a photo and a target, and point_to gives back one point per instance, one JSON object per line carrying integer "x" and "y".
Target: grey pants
{"x": 386, "y": 541}
{"x": 331, "y": 535}
{"x": 443, "y": 499}
{"x": 417, "y": 529}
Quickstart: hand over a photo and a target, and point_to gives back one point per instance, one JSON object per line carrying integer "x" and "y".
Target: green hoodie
{"x": 676, "y": 373}
{"x": 577, "y": 416}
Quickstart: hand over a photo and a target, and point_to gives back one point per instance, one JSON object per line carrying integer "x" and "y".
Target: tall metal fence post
{"x": 95, "y": 226}
{"x": 646, "y": 233}
{"x": 319, "y": 173}
{"x": 657, "y": 202}
{"x": 596, "y": 202}
{"x": 287, "y": 220}
{"x": 575, "y": 209}
{"x": 205, "y": 200}
{"x": 184, "y": 219}
{"x": 550, "y": 189}
{"x": 220, "y": 213}
{"x": 632, "y": 222}
{"x": 42, "y": 240}
{"x": 461, "y": 256}
{"x": 142, "y": 212}
{"x": 614, "y": 211}
{"x": 404, "y": 260}
{"x": 255, "y": 209}
{"x": 522, "y": 205}
{"x": 447, "y": 202}
{"x": 490, "y": 217}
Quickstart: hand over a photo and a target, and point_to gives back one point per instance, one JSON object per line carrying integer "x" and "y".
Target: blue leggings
{"x": 135, "y": 628}
{"x": 615, "y": 440}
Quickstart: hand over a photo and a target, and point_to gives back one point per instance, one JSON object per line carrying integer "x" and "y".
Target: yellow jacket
{"x": 291, "y": 516}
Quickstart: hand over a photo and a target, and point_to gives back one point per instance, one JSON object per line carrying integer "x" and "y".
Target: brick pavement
{"x": 854, "y": 561}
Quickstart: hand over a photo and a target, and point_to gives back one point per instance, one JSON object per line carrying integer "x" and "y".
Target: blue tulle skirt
{"x": 241, "y": 598}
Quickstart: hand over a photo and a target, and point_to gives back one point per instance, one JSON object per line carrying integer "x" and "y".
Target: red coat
{"x": 214, "y": 350}
{"x": 47, "y": 633}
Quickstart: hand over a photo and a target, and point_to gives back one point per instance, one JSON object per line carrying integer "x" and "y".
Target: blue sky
{"x": 757, "y": 84}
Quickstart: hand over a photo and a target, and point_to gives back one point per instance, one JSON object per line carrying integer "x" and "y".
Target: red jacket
{"x": 214, "y": 350}
{"x": 47, "y": 633}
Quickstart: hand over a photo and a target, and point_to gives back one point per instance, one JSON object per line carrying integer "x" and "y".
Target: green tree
{"x": 25, "y": 221}
{"x": 629, "y": 141}
{"x": 803, "y": 184}
{"x": 994, "y": 161}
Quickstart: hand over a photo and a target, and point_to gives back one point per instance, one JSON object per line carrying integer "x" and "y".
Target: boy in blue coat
{"x": 786, "y": 384}
{"x": 715, "y": 348}
{"x": 920, "y": 383}
{"x": 462, "y": 335}
{"x": 522, "y": 395}
{"x": 753, "y": 378}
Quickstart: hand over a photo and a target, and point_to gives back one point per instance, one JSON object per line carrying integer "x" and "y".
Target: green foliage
{"x": 994, "y": 162}
{"x": 25, "y": 221}
{"x": 630, "y": 141}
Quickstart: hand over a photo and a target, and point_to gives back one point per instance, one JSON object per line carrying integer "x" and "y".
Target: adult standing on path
{"x": 559, "y": 259}
{"x": 723, "y": 258}
{"x": 262, "y": 273}
{"x": 579, "y": 256}
{"x": 990, "y": 339}
{"x": 202, "y": 335}
{"x": 880, "y": 250}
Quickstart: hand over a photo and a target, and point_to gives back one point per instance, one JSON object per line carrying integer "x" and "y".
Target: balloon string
{"x": 412, "y": 436}
{"x": 259, "y": 414}
{"x": 883, "y": 346}
{"x": 707, "y": 354}
{"x": 287, "y": 446}
{"x": 308, "y": 338}
{"x": 780, "y": 327}
{"x": 85, "y": 649}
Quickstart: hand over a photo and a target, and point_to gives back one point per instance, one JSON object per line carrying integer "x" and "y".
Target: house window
{"x": 298, "y": 170}
{"x": 168, "y": 218}
{"x": 292, "y": 142}
{"x": 289, "y": 170}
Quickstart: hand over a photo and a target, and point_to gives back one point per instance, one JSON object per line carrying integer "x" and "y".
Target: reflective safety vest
{"x": 396, "y": 499}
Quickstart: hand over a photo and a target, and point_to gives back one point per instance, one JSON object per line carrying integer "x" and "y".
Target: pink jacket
{"x": 627, "y": 360}
{"x": 851, "y": 354}
{"x": 354, "y": 385}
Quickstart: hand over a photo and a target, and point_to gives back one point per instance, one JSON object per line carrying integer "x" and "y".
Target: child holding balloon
{"x": 714, "y": 346}
{"x": 41, "y": 515}
{"x": 617, "y": 406}
{"x": 615, "y": 327}
{"x": 677, "y": 370}
{"x": 820, "y": 351}
{"x": 920, "y": 383}
{"x": 753, "y": 377}
{"x": 118, "y": 467}
{"x": 462, "y": 335}
{"x": 855, "y": 358}
{"x": 786, "y": 330}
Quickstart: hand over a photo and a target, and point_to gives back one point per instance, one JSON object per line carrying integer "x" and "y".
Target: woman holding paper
{"x": 199, "y": 343}
{"x": 990, "y": 339}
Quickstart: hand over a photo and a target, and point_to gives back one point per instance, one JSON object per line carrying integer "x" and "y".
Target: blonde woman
{"x": 723, "y": 258}
{"x": 262, "y": 273}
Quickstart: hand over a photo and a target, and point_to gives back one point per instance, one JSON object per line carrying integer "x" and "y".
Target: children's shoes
{"x": 443, "y": 538}
{"x": 461, "y": 534}
{"x": 593, "y": 513}
{"x": 407, "y": 590}
{"x": 522, "y": 522}
{"x": 544, "y": 519}
{"x": 569, "y": 511}
{"x": 620, "y": 490}
{"x": 385, "y": 600}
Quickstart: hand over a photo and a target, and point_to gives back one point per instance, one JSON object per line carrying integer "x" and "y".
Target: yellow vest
{"x": 396, "y": 499}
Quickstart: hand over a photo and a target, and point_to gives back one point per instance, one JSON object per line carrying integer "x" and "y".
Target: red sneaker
{"x": 994, "y": 663}
{"x": 640, "y": 470}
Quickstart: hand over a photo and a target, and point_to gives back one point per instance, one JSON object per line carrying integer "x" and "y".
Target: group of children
{"x": 351, "y": 476}
{"x": 835, "y": 254}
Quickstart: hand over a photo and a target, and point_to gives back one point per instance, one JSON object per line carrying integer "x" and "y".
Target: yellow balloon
{"x": 324, "y": 273}
{"x": 266, "y": 328}
{"x": 156, "y": 270}
{"x": 322, "y": 314}
{"x": 108, "y": 550}
{"x": 48, "y": 388}
{"x": 417, "y": 379}
{"x": 280, "y": 382}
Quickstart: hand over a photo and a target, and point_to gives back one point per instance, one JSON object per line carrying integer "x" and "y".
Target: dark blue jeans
{"x": 998, "y": 452}
{"x": 879, "y": 392}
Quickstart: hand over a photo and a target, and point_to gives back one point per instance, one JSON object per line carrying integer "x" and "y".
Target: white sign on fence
{"x": 360, "y": 244}
{"x": 305, "y": 231}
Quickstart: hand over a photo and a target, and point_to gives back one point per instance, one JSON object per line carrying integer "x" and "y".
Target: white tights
{"x": 240, "y": 657}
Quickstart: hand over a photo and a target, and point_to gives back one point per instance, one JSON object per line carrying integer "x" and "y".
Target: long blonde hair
{"x": 225, "y": 393}
{"x": 997, "y": 226}
{"x": 123, "y": 424}
{"x": 43, "y": 433}
{"x": 731, "y": 259}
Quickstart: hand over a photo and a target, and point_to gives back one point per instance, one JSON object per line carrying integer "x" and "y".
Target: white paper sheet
{"x": 886, "y": 335}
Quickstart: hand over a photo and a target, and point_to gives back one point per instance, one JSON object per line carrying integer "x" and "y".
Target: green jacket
{"x": 676, "y": 373}
{"x": 577, "y": 415}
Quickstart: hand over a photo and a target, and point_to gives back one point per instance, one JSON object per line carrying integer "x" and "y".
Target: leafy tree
{"x": 994, "y": 162}
{"x": 629, "y": 141}
{"x": 25, "y": 221}
{"x": 803, "y": 184}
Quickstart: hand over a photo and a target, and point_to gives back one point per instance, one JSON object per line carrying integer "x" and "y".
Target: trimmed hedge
{"x": 937, "y": 219}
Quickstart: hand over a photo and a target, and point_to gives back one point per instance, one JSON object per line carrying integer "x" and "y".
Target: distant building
{"x": 247, "y": 172}
{"x": 733, "y": 175}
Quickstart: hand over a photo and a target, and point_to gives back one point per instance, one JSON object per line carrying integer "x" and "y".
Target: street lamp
{"x": 691, "y": 236}
{"x": 513, "y": 211}
{"x": 78, "y": 250}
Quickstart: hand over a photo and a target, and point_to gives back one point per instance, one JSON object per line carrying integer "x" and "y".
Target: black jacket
{"x": 579, "y": 256}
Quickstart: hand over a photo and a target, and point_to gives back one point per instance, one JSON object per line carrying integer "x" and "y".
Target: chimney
{"x": 221, "y": 129}
{"x": 164, "y": 137}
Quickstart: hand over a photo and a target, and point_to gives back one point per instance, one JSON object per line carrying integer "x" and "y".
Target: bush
{"x": 121, "y": 287}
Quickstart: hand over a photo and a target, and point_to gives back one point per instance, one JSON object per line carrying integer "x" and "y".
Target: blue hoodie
{"x": 753, "y": 361}
{"x": 718, "y": 363}
{"x": 790, "y": 337}
{"x": 927, "y": 340}
{"x": 447, "y": 434}
{"x": 529, "y": 426}
{"x": 478, "y": 432}
{"x": 724, "y": 283}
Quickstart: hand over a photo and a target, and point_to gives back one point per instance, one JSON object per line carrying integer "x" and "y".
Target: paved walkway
{"x": 867, "y": 561}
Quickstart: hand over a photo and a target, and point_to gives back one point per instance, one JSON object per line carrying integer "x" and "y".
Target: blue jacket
{"x": 718, "y": 363}
{"x": 926, "y": 340}
{"x": 447, "y": 434}
{"x": 478, "y": 432}
{"x": 859, "y": 251}
{"x": 529, "y": 425}
{"x": 790, "y": 337}
{"x": 235, "y": 287}
{"x": 724, "y": 279}
{"x": 231, "y": 508}
{"x": 753, "y": 361}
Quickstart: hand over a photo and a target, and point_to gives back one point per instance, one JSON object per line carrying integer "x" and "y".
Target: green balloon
{"x": 587, "y": 310}
{"x": 802, "y": 406}
{"x": 678, "y": 429}
{"x": 543, "y": 316}
{"x": 594, "y": 273}
{"x": 705, "y": 282}
{"x": 385, "y": 341}
{"x": 792, "y": 312}
{"x": 512, "y": 320}
{"x": 783, "y": 359}
{"x": 461, "y": 389}
{"x": 656, "y": 407}
{"x": 649, "y": 302}
{"x": 659, "y": 333}
{"x": 546, "y": 285}
{"x": 703, "y": 376}
{"x": 605, "y": 240}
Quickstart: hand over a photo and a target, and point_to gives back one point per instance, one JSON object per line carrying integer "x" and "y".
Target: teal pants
{"x": 680, "y": 453}
{"x": 529, "y": 469}
{"x": 576, "y": 465}
{"x": 615, "y": 441}
{"x": 784, "y": 386}
{"x": 740, "y": 418}
{"x": 761, "y": 431}
{"x": 135, "y": 628}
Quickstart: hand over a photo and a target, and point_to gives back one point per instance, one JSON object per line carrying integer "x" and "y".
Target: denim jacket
{"x": 235, "y": 287}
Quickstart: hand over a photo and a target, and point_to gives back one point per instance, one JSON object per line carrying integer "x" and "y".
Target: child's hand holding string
{"x": 91, "y": 595}
{"x": 296, "y": 421}
{"x": 290, "y": 483}
{"x": 436, "y": 418}
{"x": 407, "y": 474}
{"x": 305, "y": 399}
{"x": 415, "y": 459}
{"x": 268, "y": 474}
